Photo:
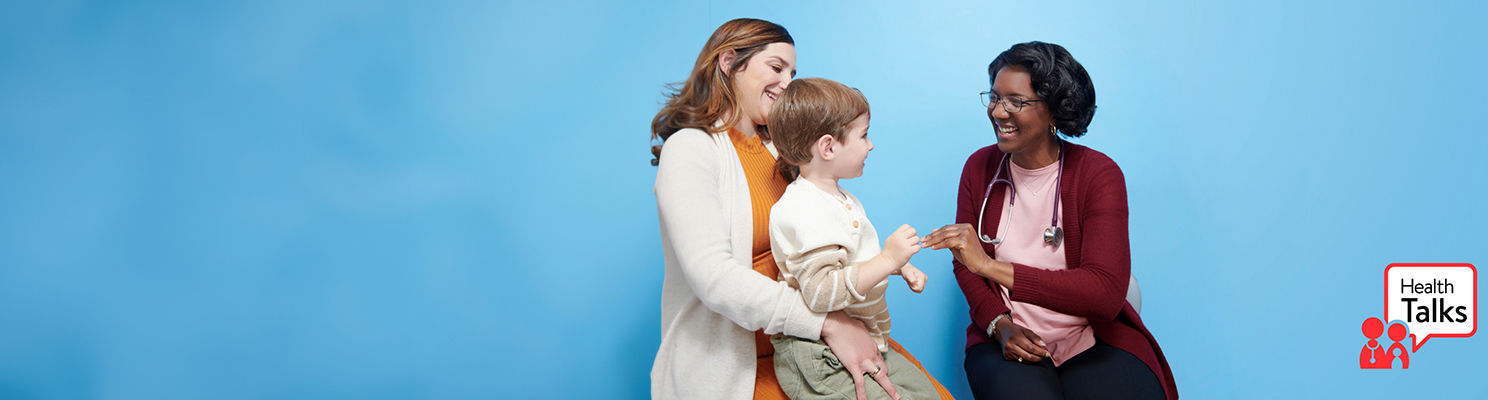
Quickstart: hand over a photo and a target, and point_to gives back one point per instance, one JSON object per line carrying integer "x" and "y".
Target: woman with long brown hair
{"x": 715, "y": 183}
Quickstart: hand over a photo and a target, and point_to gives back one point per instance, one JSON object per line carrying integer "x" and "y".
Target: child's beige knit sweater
{"x": 819, "y": 240}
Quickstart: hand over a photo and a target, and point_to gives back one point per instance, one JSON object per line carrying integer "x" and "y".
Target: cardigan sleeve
{"x": 982, "y": 297}
{"x": 692, "y": 211}
{"x": 1097, "y": 288}
{"x": 811, "y": 249}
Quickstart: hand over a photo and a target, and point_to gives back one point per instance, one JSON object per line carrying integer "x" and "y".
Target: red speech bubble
{"x": 1435, "y": 300}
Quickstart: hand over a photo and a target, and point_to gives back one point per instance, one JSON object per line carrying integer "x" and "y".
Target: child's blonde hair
{"x": 808, "y": 109}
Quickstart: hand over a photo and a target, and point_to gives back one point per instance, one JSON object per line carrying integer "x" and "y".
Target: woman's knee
{"x": 993, "y": 377}
{"x": 1106, "y": 372}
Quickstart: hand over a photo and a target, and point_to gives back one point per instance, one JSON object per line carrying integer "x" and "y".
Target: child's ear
{"x": 726, "y": 61}
{"x": 826, "y": 146}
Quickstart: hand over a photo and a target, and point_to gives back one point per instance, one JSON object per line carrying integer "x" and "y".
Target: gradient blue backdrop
{"x": 344, "y": 199}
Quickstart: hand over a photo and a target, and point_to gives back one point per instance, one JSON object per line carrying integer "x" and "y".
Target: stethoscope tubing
{"x": 1013, "y": 196}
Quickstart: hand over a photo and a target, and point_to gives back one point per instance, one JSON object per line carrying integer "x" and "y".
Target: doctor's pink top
{"x": 1077, "y": 292}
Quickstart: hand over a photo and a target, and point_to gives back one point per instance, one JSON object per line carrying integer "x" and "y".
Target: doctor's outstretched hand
{"x": 966, "y": 247}
{"x": 962, "y": 240}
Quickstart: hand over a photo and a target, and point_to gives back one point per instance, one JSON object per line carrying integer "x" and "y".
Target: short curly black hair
{"x": 1058, "y": 79}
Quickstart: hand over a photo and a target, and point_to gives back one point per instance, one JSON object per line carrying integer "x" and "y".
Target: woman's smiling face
{"x": 763, "y": 79}
{"x": 1026, "y": 129}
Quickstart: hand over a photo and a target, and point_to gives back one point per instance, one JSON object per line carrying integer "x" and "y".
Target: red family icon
{"x": 1374, "y": 355}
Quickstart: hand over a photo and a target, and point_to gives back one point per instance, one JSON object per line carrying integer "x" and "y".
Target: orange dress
{"x": 765, "y": 188}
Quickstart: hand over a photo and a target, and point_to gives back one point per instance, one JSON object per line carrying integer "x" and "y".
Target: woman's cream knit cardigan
{"x": 712, "y": 300}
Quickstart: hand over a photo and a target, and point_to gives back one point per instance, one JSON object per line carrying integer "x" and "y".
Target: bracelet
{"x": 992, "y": 328}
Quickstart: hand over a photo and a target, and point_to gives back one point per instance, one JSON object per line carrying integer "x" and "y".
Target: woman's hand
{"x": 1019, "y": 343}
{"x": 914, "y": 277}
{"x": 849, "y": 340}
{"x": 964, "y": 244}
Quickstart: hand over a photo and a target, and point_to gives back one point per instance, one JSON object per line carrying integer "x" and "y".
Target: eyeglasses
{"x": 1011, "y": 105}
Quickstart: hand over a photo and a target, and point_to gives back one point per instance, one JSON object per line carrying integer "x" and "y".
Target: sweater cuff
{"x": 805, "y": 324}
{"x": 1026, "y": 283}
{"x": 851, "y": 274}
{"x": 991, "y": 306}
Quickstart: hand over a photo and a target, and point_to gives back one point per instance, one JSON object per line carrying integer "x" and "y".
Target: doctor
{"x": 1041, "y": 249}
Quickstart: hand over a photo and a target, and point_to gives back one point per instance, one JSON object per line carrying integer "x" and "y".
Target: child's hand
{"x": 902, "y": 244}
{"x": 914, "y": 277}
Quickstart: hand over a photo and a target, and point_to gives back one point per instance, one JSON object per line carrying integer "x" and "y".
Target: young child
{"x": 825, "y": 246}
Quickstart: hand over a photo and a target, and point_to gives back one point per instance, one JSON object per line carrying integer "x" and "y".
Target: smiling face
{"x": 851, "y": 153}
{"x": 764, "y": 77}
{"x": 1026, "y": 130}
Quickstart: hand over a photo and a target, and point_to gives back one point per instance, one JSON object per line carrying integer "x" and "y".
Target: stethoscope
{"x": 1053, "y": 234}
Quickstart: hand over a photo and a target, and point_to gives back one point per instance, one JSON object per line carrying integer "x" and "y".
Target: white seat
{"x": 1134, "y": 295}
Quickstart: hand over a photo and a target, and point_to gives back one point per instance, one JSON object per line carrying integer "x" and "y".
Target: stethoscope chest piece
{"x": 1054, "y": 235}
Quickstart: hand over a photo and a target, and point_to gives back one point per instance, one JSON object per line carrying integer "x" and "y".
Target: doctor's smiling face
{"x": 1021, "y": 119}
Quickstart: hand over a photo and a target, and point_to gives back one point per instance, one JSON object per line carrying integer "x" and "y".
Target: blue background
{"x": 344, "y": 199}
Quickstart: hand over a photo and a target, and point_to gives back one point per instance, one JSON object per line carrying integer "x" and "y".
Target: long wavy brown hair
{"x": 707, "y": 94}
